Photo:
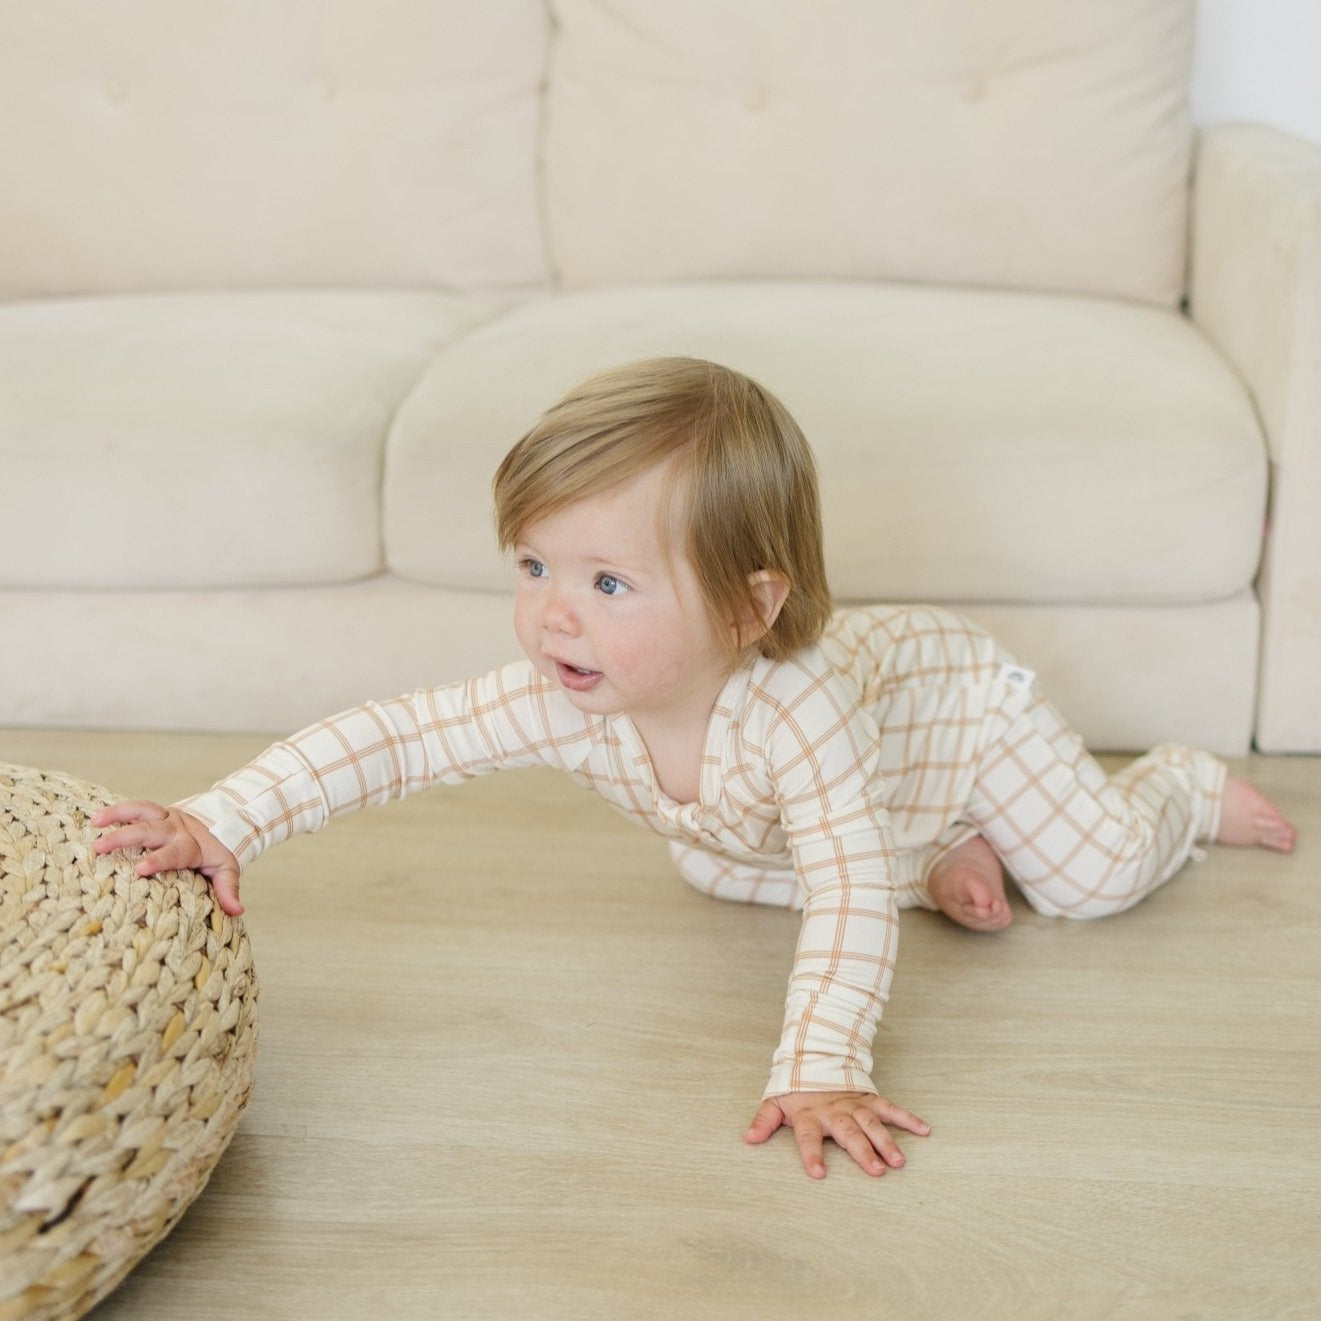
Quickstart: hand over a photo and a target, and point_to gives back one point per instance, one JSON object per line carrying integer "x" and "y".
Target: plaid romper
{"x": 830, "y": 782}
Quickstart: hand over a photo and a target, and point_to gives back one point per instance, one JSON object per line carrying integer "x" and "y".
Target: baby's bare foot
{"x": 968, "y": 884}
{"x": 1249, "y": 818}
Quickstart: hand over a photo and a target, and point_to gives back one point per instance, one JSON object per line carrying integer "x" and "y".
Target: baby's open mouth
{"x": 577, "y": 679}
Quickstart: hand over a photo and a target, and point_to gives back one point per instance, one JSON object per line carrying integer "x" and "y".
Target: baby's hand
{"x": 856, "y": 1120}
{"x": 173, "y": 839}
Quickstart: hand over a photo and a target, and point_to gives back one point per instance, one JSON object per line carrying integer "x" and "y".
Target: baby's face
{"x": 615, "y": 616}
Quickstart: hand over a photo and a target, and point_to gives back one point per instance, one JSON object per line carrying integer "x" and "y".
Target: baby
{"x": 682, "y": 661}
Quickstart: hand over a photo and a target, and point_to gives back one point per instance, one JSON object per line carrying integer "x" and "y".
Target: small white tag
{"x": 1016, "y": 676}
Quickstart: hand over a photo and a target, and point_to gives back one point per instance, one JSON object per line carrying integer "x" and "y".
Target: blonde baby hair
{"x": 743, "y": 496}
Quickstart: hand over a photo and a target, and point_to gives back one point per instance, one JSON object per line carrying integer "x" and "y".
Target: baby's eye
{"x": 533, "y": 568}
{"x": 609, "y": 585}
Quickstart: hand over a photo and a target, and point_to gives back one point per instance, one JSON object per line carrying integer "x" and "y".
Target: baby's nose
{"x": 559, "y": 616}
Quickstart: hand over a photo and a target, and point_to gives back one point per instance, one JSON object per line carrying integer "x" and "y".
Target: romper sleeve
{"x": 822, "y": 756}
{"x": 383, "y": 750}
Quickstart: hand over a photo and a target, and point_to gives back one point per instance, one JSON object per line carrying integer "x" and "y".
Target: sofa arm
{"x": 1256, "y": 292}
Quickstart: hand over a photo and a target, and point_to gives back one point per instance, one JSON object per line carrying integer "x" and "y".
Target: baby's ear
{"x": 769, "y": 591}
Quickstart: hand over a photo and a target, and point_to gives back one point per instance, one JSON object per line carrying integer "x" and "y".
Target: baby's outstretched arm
{"x": 172, "y": 839}
{"x": 856, "y": 1120}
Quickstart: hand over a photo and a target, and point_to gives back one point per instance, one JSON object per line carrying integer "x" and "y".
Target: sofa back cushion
{"x": 157, "y": 144}
{"x": 1026, "y": 143}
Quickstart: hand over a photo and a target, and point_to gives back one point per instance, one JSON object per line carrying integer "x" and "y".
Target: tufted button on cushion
{"x": 127, "y": 1037}
{"x": 972, "y": 89}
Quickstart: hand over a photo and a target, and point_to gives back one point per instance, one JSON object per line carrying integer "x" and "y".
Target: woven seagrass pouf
{"x": 127, "y": 1036}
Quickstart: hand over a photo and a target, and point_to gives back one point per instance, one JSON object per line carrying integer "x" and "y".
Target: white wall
{"x": 1259, "y": 60}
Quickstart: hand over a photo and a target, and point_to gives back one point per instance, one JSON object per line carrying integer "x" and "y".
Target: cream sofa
{"x": 281, "y": 283}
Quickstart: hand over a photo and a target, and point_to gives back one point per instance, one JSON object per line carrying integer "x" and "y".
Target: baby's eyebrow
{"x": 617, "y": 568}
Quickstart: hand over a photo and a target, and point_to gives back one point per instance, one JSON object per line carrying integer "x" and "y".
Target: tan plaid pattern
{"x": 1079, "y": 843}
{"x": 830, "y": 781}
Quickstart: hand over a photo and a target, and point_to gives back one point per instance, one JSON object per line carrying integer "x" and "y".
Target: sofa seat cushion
{"x": 205, "y": 440}
{"x": 973, "y": 445}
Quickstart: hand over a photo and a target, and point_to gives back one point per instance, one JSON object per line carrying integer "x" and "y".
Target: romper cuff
{"x": 818, "y": 1073}
{"x": 1209, "y": 774}
{"x": 238, "y": 833}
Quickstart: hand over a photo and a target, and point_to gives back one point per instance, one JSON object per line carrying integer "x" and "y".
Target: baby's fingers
{"x": 880, "y": 1141}
{"x": 172, "y": 854}
{"x": 898, "y": 1117}
{"x": 225, "y": 886}
{"x": 810, "y": 1137}
{"x": 142, "y": 826}
{"x": 867, "y": 1141}
{"x": 768, "y": 1118}
{"x": 146, "y": 835}
{"x": 120, "y": 814}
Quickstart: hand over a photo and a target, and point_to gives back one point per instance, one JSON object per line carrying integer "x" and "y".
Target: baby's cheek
{"x": 529, "y": 640}
{"x": 655, "y": 653}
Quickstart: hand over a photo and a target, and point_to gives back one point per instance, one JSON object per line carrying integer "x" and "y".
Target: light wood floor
{"x": 507, "y": 1056}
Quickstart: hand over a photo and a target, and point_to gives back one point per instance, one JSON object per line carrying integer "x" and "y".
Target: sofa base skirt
{"x": 1126, "y": 677}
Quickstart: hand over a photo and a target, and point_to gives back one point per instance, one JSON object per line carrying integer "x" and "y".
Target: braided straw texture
{"x": 127, "y": 1036}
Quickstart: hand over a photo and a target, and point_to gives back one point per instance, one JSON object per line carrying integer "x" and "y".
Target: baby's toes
{"x": 1274, "y": 832}
{"x": 984, "y": 910}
